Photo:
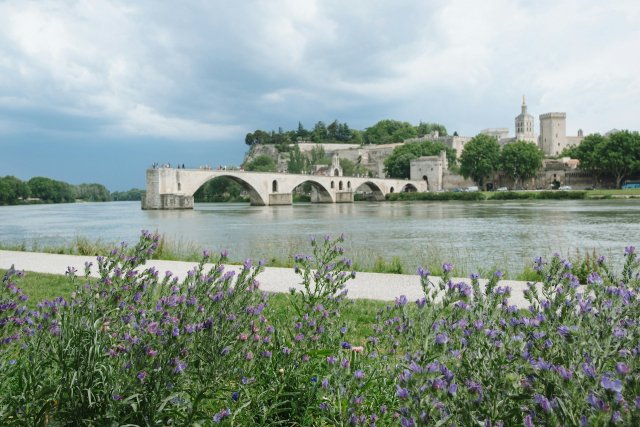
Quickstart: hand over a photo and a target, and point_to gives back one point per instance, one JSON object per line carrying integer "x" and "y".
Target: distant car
{"x": 565, "y": 187}
{"x": 502, "y": 189}
{"x": 472, "y": 189}
{"x": 457, "y": 190}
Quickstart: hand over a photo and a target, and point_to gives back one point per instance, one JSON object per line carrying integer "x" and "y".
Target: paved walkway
{"x": 373, "y": 286}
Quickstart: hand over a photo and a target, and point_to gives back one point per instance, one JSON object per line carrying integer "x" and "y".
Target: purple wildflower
{"x": 609, "y": 384}
{"x": 622, "y": 368}
{"x": 402, "y": 393}
{"x": 221, "y": 415}
{"x": 423, "y": 272}
{"x": 446, "y": 267}
{"x": 528, "y": 421}
{"x": 543, "y": 402}
{"x": 358, "y": 374}
{"x": 441, "y": 339}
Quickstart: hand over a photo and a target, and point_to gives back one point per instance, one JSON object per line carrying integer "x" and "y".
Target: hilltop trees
{"x": 389, "y": 131}
{"x": 480, "y": 158}
{"x": 384, "y": 132}
{"x": 321, "y": 133}
{"x": 520, "y": 160}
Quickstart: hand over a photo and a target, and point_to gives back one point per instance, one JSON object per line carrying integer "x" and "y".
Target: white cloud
{"x": 196, "y": 70}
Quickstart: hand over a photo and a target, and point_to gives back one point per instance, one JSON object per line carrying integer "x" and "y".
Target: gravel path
{"x": 373, "y": 286}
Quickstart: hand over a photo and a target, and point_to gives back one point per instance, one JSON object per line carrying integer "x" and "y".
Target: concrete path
{"x": 373, "y": 286}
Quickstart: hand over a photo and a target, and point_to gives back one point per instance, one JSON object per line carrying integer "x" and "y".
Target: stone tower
{"x": 524, "y": 125}
{"x": 553, "y": 133}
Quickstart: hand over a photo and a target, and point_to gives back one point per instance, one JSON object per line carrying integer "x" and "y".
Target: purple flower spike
{"x": 622, "y": 368}
{"x": 402, "y": 393}
{"x": 629, "y": 250}
{"x": 423, "y": 272}
{"x": 447, "y": 267}
{"x": 609, "y": 384}
{"x": 543, "y": 402}
{"x": 441, "y": 339}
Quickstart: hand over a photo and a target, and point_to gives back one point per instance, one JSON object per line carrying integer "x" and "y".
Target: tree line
{"x": 482, "y": 157}
{"x": 384, "y": 132}
{"x": 15, "y": 191}
{"x": 615, "y": 155}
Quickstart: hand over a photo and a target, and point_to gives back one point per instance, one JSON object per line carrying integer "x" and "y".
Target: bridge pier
{"x": 344, "y": 197}
{"x": 276, "y": 199}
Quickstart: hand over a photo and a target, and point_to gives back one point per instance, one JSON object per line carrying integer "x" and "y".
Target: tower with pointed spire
{"x": 524, "y": 125}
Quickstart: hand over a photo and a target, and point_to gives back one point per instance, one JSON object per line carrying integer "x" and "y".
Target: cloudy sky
{"x": 98, "y": 90}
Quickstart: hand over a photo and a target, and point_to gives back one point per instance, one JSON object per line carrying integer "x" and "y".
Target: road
{"x": 372, "y": 286}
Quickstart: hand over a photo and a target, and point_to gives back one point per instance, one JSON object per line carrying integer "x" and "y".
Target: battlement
{"x": 553, "y": 116}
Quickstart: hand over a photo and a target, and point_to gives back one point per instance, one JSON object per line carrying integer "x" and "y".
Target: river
{"x": 472, "y": 235}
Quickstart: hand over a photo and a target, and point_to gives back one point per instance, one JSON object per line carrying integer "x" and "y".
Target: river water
{"x": 472, "y": 235}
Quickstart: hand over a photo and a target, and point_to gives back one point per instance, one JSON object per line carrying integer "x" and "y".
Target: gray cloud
{"x": 210, "y": 71}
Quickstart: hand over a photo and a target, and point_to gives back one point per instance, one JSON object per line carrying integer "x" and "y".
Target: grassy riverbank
{"x": 365, "y": 260}
{"x": 516, "y": 195}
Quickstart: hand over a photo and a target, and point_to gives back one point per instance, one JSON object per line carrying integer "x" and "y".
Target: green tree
{"x": 319, "y": 133}
{"x": 50, "y": 190}
{"x": 619, "y": 155}
{"x": 397, "y": 165}
{"x": 298, "y": 162}
{"x": 221, "y": 189}
{"x": 616, "y": 155}
{"x": 389, "y": 131}
{"x": 587, "y": 153}
{"x": 301, "y": 133}
{"x": 480, "y": 158}
{"x": 258, "y": 137}
{"x": 135, "y": 194}
{"x": 262, "y": 164}
{"x": 350, "y": 168}
{"x": 12, "y": 190}
{"x": 426, "y": 128}
{"x": 521, "y": 160}
{"x": 318, "y": 156}
{"x": 92, "y": 193}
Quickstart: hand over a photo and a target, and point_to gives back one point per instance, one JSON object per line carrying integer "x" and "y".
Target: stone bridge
{"x": 170, "y": 188}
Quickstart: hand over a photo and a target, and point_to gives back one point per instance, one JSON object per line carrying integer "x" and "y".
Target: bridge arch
{"x": 409, "y": 188}
{"x": 374, "y": 191}
{"x": 319, "y": 192}
{"x": 255, "y": 198}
